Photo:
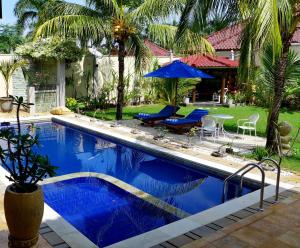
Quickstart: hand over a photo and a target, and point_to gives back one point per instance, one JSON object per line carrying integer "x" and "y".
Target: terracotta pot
{"x": 23, "y": 213}
{"x": 6, "y": 104}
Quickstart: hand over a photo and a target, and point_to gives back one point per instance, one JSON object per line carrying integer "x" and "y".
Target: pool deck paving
{"x": 277, "y": 226}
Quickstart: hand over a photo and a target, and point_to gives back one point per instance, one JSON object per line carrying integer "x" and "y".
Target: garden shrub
{"x": 74, "y": 104}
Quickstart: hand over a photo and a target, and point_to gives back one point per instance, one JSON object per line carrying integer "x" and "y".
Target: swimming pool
{"x": 71, "y": 150}
{"x": 110, "y": 213}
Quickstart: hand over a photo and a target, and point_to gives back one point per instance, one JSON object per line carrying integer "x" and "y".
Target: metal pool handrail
{"x": 277, "y": 165}
{"x": 245, "y": 169}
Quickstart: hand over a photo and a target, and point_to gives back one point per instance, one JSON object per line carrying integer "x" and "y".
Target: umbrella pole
{"x": 176, "y": 92}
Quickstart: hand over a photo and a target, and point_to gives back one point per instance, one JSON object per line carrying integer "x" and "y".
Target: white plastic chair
{"x": 248, "y": 124}
{"x": 217, "y": 96}
{"x": 209, "y": 126}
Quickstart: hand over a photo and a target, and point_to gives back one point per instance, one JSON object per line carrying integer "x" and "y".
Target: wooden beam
{"x": 222, "y": 90}
{"x": 194, "y": 96}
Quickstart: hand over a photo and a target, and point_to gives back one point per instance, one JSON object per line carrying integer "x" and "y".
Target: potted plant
{"x": 7, "y": 68}
{"x": 219, "y": 152}
{"x": 190, "y": 134}
{"x": 23, "y": 199}
{"x": 230, "y": 99}
{"x": 161, "y": 132}
{"x": 229, "y": 149}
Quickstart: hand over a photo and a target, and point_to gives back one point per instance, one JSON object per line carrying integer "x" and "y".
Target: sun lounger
{"x": 150, "y": 119}
{"x": 185, "y": 124}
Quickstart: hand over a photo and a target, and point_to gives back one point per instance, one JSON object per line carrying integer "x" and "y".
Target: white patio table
{"x": 220, "y": 119}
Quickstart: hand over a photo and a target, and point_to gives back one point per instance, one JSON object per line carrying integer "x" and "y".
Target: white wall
{"x": 108, "y": 65}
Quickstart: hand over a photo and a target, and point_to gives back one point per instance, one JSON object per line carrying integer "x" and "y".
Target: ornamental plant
{"x": 7, "y": 68}
{"x": 51, "y": 48}
{"x": 25, "y": 166}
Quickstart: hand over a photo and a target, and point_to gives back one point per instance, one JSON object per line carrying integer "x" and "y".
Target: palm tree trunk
{"x": 120, "y": 88}
{"x": 279, "y": 84}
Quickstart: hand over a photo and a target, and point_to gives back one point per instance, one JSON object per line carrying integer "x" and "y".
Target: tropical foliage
{"x": 165, "y": 89}
{"x": 10, "y": 38}
{"x": 17, "y": 156}
{"x": 27, "y": 12}
{"x": 121, "y": 27}
{"x": 266, "y": 73}
{"x": 266, "y": 24}
{"x": 7, "y": 68}
{"x": 51, "y": 48}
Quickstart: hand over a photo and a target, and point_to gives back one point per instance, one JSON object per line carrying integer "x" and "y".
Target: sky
{"x": 8, "y": 10}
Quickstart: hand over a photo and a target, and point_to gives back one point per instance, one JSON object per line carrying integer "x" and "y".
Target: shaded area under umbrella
{"x": 176, "y": 70}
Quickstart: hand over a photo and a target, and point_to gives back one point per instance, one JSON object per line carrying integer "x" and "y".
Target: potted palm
{"x": 7, "y": 68}
{"x": 23, "y": 199}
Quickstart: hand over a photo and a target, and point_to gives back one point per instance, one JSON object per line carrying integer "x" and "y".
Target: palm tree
{"x": 121, "y": 26}
{"x": 266, "y": 23}
{"x": 27, "y": 12}
{"x": 267, "y": 71}
{"x": 7, "y": 68}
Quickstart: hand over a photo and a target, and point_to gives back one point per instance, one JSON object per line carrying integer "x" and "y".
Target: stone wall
{"x": 19, "y": 84}
{"x": 45, "y": 100}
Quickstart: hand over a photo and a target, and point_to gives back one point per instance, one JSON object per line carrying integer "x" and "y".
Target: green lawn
{"x": 293, "y": 117}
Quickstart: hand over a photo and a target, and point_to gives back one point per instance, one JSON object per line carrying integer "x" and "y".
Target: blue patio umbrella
{"x": 178, "y": 69}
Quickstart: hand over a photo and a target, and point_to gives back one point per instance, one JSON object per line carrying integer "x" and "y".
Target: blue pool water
{"x": 103, "y": 212}
{"x": 72, "y": 150}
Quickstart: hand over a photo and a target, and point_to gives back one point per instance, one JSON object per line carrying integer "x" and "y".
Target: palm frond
{"x": 268, "y": 69}
{"x": 189, "y": 42}
{"x": 162, "y": 33}
{"x": 197, "y": 14}
{"x": 108, "y": 7}
{"x": 264, "y": 26}
{"x": 142, "y": 53}
{"x": 152, "y": 9}
{"x": 7, "y": 68}
{"x": 26, "y": 18}
{"x": 60, "y": 8}
{"x": 27, "y": 11}
{"x": 195, "y": 11}
{"x": 27, "y": 5}
{"x": 77, "y": 26}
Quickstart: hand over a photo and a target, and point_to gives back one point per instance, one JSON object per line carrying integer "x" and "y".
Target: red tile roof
{"x": 205, "y": 61}
{"x": 156, "y": 50}
{"x": 229, "y": 38}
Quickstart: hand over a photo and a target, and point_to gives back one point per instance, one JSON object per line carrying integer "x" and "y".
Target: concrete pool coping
{"x": 75, "y": 239}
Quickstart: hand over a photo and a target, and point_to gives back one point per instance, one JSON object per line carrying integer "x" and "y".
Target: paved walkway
{"x": 278, "y": 226}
